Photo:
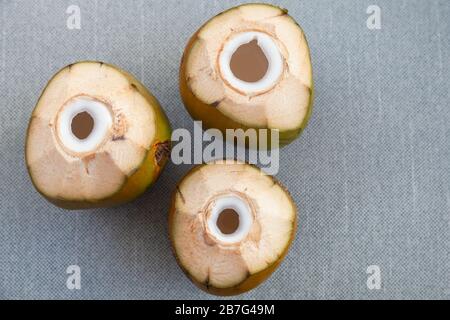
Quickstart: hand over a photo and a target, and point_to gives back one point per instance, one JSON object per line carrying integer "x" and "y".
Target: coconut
{"x": 249, "y": 67}
{"x": 230, "y": 226}
{"x": 96, "y": 137}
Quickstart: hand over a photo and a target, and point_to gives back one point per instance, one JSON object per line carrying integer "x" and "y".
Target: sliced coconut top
{"x": 279, "y": 100}
{"x": 266, "y": 225}
{"x": 93, "y": 164}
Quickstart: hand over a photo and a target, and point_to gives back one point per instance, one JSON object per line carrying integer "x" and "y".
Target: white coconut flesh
{"x": 87, "y": 133}
{"x": 271, "y": 53}
{"x": 266, "y": 218}
{"x": 281, "y": 98}
{"x": 224, "y": 210}
{"x": 97, "y": 163}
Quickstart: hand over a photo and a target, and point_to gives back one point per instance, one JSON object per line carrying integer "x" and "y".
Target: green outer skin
{"x": 253, "y": 280}
{"x": 213, "y": 118}
{"x": 146, "y": 173}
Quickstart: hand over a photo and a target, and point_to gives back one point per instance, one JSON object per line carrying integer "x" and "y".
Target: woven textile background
{"x": 370, "y": 175}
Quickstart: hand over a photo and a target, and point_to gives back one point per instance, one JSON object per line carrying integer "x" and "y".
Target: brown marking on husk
{"x": 181, "y": 194}
{"x": 207, "y": 280}
{"x": 120, "y": 127}
{"x": 86, "y": 161}
{"x": 162, "y": 152}
{"x": 114, "y": 138}
{"x": 215, "y": 104}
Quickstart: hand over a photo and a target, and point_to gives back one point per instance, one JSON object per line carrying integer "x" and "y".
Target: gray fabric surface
{"x": 370, "y": 174}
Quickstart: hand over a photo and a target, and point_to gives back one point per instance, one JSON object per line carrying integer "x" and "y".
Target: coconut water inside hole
{"x": 249, "y": 63}
{"x": 82, "y": 125}
{"x": 228, "y": 221}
